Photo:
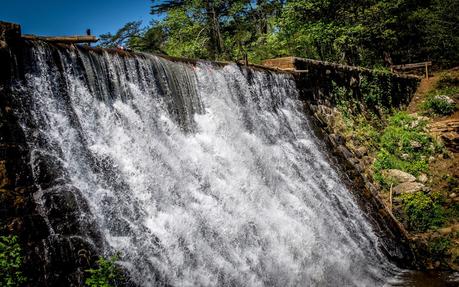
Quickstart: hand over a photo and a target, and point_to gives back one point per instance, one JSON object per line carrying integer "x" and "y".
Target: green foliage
{"x": 10, "y": 262}
{"x": 362, "y": 130}
{"x": 452, "y": 182}
{"x": 439, "y": 246}
{"x": 441, "y": 100}
{"x": 447, "y": 80}
{"x": 386, "y": 160}
{"x": 373, "y": 92}
{"x": 423, "y": 211}
{"x": 362, "y": 32}
{"x": 439, "y": 105}
{"x": 106, "y": 275}
{"x": 129, "y": 31}
{"x": 404, "y": 145}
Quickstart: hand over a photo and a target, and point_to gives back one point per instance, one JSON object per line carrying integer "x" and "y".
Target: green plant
{"x": 405, "y": 146}
{"x": 423, "y": 211}
{"x": 447, "y": 80}
{"x": 439, "y": 246}
{"x": 453, "y": 183}
{"x": 106, "y": 275}
{"x": 439, "y": 105}
{"x": 10, "y": 262}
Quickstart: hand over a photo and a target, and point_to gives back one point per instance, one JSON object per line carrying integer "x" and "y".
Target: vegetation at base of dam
{"x": 104, "y": 274}
{"x": 415, "y": 172}
{"x": 11, "y": 260}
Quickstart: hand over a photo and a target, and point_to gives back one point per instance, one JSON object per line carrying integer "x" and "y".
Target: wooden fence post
{"x": 427, "y": 71}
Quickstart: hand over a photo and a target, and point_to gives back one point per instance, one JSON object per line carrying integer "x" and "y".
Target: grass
{"x": 404, "y": 145}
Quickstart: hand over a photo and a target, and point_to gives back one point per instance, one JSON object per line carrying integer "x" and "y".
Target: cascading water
{"x": 197, "y": 175}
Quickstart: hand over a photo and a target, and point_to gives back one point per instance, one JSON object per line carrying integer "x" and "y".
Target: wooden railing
{"x": 413, "y": 66}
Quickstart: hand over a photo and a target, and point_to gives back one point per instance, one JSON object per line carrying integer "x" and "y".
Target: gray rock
{"x": 445, "y": 98}
{"x": 398, "y": 175}
{"x": 361, "y": 151}
{"x": 346, "y": 153}
{"x": 422, "y": 178}
{"x": 408, "y": 187}
{"x": 415, "y": 144}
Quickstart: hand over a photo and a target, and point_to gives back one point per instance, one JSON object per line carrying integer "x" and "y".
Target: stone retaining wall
{"x": 329, "y": 89}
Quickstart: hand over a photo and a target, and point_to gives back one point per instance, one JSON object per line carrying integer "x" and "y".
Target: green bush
{"x": 387, "y": 160}
{"x": 106, "y": 275}
{"x": 404, "y": 145}
{"x": 447, "y": 80}
{"x": 439, "y": 246}
{"x": 10, "y": 262}
{"x": 423, "y": 211}
{"x": 439, "y": 105}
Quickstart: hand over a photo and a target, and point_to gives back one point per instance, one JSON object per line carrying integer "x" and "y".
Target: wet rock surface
{"x": 50, "y": 218}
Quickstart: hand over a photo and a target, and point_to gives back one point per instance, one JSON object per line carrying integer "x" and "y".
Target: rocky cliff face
{"x": 54, "y": 252}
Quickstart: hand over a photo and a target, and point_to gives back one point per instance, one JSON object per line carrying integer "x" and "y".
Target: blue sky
{"x": 66, "y": 17}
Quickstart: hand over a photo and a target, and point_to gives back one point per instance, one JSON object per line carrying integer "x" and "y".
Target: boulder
{"x": 445, "y": 98}
{"x": 408, "y": 187}
{"x": 398, "y": 175}
{"x": 422, "y": 178}
{"x": 361, "y": 151}
{"x": 448, "y": 131}
{"x": 415, "y": 144}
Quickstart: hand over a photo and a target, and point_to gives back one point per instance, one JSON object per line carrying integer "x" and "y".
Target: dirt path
{"x": 425, "y": 86}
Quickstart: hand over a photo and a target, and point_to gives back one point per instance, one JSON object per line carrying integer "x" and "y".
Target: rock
{"x": 361, "y": 151}
{"x": 452, "y": 195}
{"x": 367, "y": 160}
{"x": 448, "y": 131}
{"x": 408, "y": 187}
{"x": 399, "y": 175}
{"x": 405, "y": 156}
{"x": 422, "y": 178}
{"x": 445, "y": 231}
{"x": 445, "y": 98}
{"x": 48, "y": 169}
{"x": 415, "y": 144}
{"x": 346, "y": 153}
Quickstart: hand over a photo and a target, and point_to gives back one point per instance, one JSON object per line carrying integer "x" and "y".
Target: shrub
{"x": 404, "y": 145}
{"x": 10, "y": 262}
{"x": 387, "y": 160}
{"x": 447, "y": 80}
{"x": 439, "y": 246}
{"x": 423, "y": 211}
{"x": 439, "y": 105}
{"x": 106, "y": 275}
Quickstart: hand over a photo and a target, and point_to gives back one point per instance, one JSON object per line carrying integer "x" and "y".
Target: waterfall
{"x": 196, "y": 174}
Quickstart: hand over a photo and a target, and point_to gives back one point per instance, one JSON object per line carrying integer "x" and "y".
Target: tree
{"x": 127, "y": 33}
{"x": 359, "y": 32}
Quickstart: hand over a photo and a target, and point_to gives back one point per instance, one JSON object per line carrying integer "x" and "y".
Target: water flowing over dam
{"x": 196, "y": 174}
